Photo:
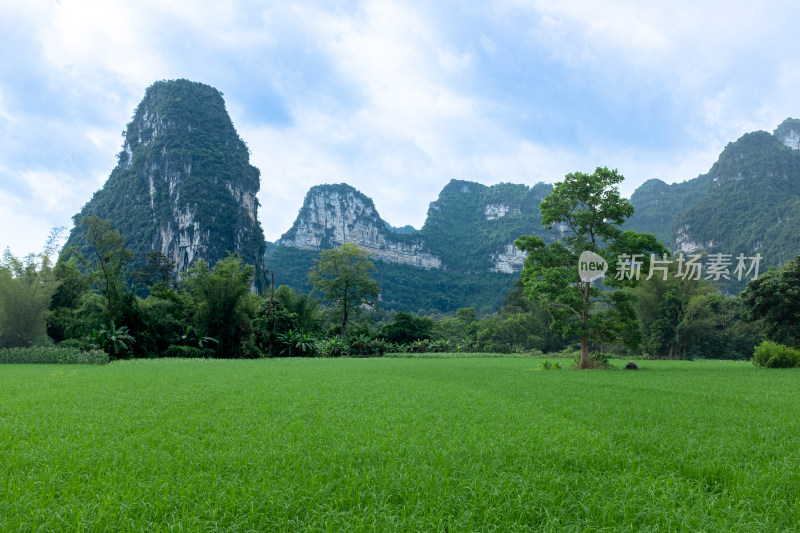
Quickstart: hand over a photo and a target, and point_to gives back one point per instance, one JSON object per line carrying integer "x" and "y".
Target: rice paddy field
{"x": 450, "y": 444}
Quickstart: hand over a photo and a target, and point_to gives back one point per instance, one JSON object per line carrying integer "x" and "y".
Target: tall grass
{"x": 398, "y": 445}
{"x": 453, "y": 355}
{"x": 52, "y": 355}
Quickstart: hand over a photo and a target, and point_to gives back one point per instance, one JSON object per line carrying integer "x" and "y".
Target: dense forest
{"x": 87, "y": 303}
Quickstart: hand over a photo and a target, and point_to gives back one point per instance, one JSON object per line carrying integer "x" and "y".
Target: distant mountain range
{"x": 748, "y": 203}
{"x": 184, "y": 186}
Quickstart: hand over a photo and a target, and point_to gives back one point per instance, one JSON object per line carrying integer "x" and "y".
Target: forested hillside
{"x": 462, "y": 257}
{"x": 748, "y": 203}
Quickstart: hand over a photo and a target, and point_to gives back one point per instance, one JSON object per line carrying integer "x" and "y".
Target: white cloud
{"x": 21, "y": 229}
{"x": 51, "y": 189}
{"x": 95, "y": 35}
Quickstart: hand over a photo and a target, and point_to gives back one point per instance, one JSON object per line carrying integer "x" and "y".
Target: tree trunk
{"x": 344, "y": 323}
{"x": 585, "y": 328}
{"x": 584, "y": 351}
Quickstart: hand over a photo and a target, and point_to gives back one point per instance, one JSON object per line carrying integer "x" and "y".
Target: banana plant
{"x": 117, "y": 342}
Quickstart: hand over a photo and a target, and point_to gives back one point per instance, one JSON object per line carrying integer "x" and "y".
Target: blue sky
{"x": 394, "y": 98}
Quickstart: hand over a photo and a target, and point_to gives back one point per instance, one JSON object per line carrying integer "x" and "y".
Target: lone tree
{"x": 343, "y": 277}
{"x": 589, "y": 210}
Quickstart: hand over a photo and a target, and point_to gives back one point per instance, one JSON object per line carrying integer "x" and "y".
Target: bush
{"x": 78, "y": 344}
{"x": 334, "y": 347}
{"x": 392, "y": 347}
{"x": 53, "y": 355}
{"x": 769, "y": 354}
{"x": 377, "y": 347}
{"x": 421, "y": 346}
{"x": 406, "y": 328}
{"x": 188, "y": 352}
{"x": 596, "y": 360}
{"x": 440, "y": 346}
{"x": 360, "y": 346}
{"x": 296, "y": 344}
{"x": 364, "y": 346}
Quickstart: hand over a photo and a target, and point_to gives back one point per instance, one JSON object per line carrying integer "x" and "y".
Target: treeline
{"x": 90, "y": 302}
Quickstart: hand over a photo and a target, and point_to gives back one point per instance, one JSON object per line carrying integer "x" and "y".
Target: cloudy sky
{"x": 394, "y": 98}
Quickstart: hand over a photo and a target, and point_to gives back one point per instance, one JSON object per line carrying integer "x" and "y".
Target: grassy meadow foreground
{"x": 398, "y": 444}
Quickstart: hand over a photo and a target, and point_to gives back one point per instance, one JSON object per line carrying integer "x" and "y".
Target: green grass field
{"x": 398, "y": 445}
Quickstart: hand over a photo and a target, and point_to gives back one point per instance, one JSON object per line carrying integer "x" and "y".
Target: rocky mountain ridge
{"x": 468, "y": 219}
{"x": 463, "y": 255}
{"x": 748, "y": 202}
{"x": 333, "y": 215}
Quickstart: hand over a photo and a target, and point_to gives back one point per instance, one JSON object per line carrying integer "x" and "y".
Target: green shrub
{"x": 420, "y": 346}
{"x": 377, "y": 347}
{"x": 296, "y": 344}
{"x": 596, "y": 360}
{"x": 52, "y": 355}
{"x": 334, "y": 347}
{"x": 770, "y": 354}
{"x": 440, "y": 346}
{"x": 188, "y": 352}
{"x": 74, "y": 343}
{"x": 393, "y": 347}
{"x": 116, "y": 341}
{"x": 360, "y": 346}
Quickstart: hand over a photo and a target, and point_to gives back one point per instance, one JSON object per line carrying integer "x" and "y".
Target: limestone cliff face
{"x": 336, "y": 214}
{"x": 684, "y": 241}
{"x": 495, "y": 211}
{"x": 789, "y": 133}
{"x": 473, "y": 226}
{"x": 470, "y": 229}
{"x": 183, "y": 185}
{"x": 511, "y": 259}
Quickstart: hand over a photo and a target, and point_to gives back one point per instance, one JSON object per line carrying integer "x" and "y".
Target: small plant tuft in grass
{"x": 52, "y": 355}
{"x": 547, "y": 365}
